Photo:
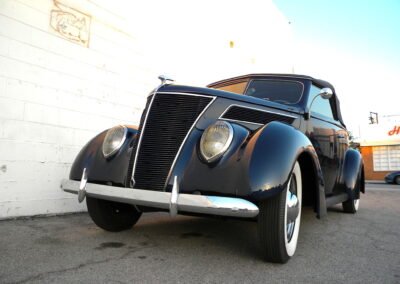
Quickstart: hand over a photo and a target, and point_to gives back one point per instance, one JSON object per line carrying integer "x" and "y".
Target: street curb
{"x": 375, "y": 181}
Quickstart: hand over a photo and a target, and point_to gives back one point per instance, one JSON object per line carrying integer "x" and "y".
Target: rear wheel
{"x": 397, "y": 180}
{"x": 112, "y": 216}
{"x": 352, "y": 204}
{"x": 279, "y": 221}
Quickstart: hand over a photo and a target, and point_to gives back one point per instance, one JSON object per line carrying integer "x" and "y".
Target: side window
{"x": 320, "y": 106}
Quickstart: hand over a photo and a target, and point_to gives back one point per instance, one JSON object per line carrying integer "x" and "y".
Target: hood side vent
{"x": 250, "y": 115}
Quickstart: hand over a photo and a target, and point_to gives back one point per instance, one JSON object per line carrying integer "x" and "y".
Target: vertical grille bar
{"x": 169, "y": 119}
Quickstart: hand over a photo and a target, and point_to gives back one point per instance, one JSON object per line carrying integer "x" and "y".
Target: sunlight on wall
{"x": 191, "y": 40}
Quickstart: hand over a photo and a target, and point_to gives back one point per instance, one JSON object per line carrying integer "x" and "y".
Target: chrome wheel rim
{"x": 292, "y": 208}
{"x": 292, "y": 215}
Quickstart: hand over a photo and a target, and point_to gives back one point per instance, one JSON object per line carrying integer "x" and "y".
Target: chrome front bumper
{"x": 173, "y": 201}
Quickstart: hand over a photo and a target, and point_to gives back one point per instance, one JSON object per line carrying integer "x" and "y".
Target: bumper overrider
{"x": 172, "y": 201}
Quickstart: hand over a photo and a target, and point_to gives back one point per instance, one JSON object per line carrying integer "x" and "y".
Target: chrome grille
{"x": 170, "y": 117}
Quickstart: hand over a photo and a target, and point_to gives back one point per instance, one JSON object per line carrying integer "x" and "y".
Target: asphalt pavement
{"x": 360, "y": 248}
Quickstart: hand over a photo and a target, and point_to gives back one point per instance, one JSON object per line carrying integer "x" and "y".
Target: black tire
{"x": 351, "y": 206}
{"x": 112, "y": 216}
{"x": 272, "y": 223}
{"x": 397, "y": 180}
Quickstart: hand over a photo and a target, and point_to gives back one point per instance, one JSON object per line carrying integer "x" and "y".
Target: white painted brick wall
{"x": 55, "y": 95}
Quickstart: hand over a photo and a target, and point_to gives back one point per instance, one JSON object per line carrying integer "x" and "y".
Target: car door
{"x": 327, "y": 137}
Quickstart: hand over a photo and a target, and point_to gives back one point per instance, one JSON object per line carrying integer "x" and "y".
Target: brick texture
{"x": 370, "y": 174}
{"x": 55, "y": 95}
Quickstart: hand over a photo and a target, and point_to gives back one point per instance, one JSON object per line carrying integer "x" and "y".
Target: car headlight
{"x": 114, "y": 139}
{"x": 215, "y": 140}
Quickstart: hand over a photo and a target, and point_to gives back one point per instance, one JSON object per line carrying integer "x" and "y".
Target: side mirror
{"x": 325, "y": 93}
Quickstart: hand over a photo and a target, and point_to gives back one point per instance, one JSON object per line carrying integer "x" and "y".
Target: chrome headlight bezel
{"x": 227, "y": 144}
{"x": 110, "y": 136}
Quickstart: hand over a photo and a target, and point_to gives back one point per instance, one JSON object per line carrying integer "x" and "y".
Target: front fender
{"x": 272, "y": 153}
{"x": 256, "y": 166}
{"x": 352, "y": 171}
{"x": 99, "y": 169}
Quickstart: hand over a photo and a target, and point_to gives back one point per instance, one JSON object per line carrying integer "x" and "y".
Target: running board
{"x": 335, "y": 199}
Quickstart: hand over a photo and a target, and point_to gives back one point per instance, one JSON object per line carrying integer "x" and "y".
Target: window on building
{"x": 386, "y": 158}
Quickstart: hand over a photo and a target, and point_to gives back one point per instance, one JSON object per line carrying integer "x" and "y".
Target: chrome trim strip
{"x": 119, "y": 145}
{"x": 252, "y": 108}
{"x": 190, "y": 130}
{"x": 258, "y": 76}
{"x": 235, "y": 120}
{"x": 140, "y": 138}
{"x": 202, "y": 204}
{"x": 187, "y": 94}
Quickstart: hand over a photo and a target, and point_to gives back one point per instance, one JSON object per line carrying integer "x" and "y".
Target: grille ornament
{"x": 165, "y": 80}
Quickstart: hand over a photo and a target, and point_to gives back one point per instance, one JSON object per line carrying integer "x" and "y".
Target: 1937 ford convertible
{"x": 257, "y": 147}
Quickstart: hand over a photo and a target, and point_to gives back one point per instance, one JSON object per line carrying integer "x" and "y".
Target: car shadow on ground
{"x": 194, "y": 233}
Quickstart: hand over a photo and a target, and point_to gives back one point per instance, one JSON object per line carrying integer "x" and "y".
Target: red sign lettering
{"x": 394, "y": 131}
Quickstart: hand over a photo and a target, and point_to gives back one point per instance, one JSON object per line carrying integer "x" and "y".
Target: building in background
{"x": 72, "y": 68}
{"x": 380, "y": 148}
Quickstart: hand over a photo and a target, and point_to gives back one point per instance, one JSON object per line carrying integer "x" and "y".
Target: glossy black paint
{"x": 99, "y": 169}
{"x": 273, "y": 152}
{"x": 258, "y": 162}
{"x": 255, "y": 167}
{"x": 352, "y": 172}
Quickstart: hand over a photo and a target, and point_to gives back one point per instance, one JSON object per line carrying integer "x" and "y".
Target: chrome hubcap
{"x": 293, "y": 208}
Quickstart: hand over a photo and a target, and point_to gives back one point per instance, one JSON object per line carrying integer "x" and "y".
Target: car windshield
{"x": 280, "y": 91}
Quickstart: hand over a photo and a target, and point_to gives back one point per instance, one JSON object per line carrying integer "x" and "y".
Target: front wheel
{"x": 279, "y": 220}
{"x": 397, "y": 180}
{"x": 112, "y": 216}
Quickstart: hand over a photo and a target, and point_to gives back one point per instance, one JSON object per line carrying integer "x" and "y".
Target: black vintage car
{"x": 256, "y": 147}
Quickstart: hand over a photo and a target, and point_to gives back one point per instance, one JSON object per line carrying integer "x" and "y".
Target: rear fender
{"x": 352, "y": 171}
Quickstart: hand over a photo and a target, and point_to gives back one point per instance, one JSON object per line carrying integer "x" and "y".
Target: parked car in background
{"x": 256, "y": 147}
{"x": 393, "y": 177}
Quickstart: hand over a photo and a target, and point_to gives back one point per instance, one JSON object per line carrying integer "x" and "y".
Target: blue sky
{"x": 353, "y": 44}
{"x": 368, "y": 28}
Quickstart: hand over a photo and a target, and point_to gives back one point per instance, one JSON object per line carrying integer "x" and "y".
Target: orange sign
{"x": 394, "y": 131}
